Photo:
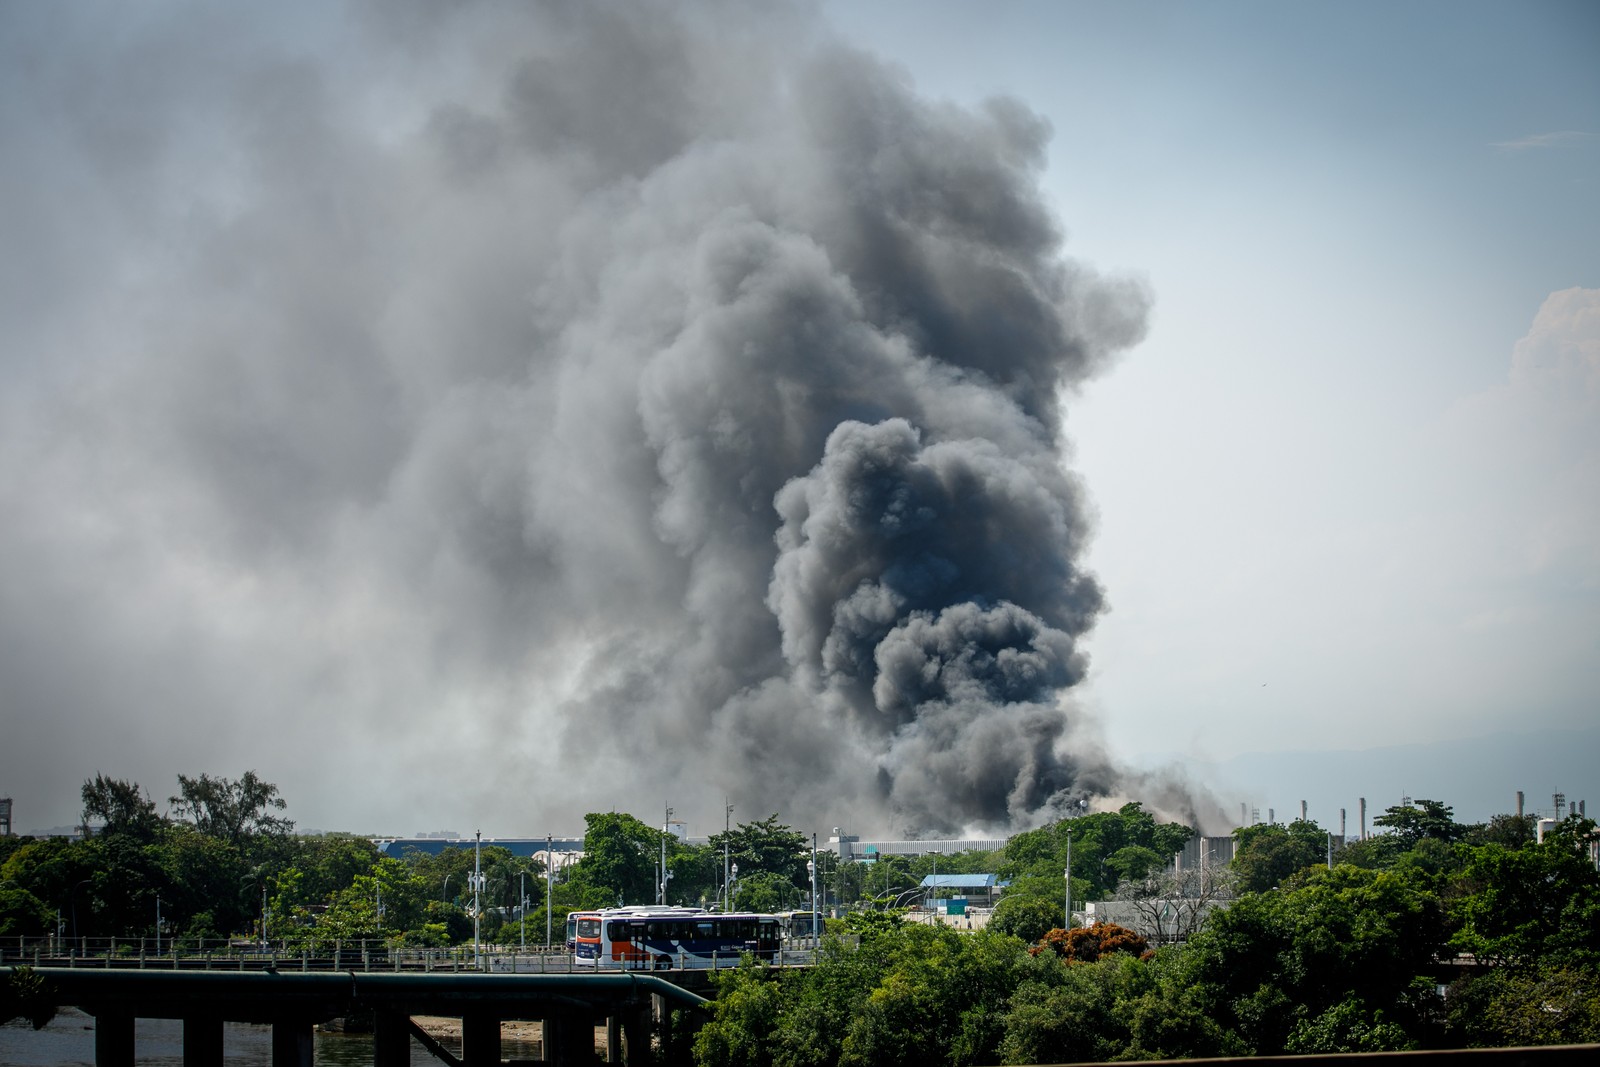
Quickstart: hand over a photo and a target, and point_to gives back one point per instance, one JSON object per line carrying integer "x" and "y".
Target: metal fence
{"x": 371, "y": 954}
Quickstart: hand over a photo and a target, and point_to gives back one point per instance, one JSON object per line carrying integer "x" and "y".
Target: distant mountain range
{"x": 1477, "y": 776}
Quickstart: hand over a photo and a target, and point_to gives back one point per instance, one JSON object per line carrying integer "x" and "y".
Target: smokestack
{"x": 1519, "y": 803}
{"x": 1272, "y": 816}
{"x": 1244, "y": 815}
{"x": 1302, "y": 811}
{"x": 1560, "y": 802}
{"x": 1363, "y": 818}
{"x": 1341, "y": 825}
{"x": 1581, "y": 807}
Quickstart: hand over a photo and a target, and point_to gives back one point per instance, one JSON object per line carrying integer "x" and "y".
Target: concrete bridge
{"x": 636, "y": 1010}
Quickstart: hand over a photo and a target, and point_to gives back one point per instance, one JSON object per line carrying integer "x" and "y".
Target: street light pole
{"x": 666, "y": 828}
{"x": 522, "y": 916}
{"x": 549, "y": 891}
{"x": 813, "y": 866}
{"x": 1068, "y": 924}
{"x": 477, "y": 886}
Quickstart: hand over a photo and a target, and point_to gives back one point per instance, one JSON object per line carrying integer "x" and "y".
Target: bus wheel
{"x": 663, "y": 963}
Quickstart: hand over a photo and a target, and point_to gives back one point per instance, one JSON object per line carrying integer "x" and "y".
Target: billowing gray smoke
{"x": 672, "y": 390}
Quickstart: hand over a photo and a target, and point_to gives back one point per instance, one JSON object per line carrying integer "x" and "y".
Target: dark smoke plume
{"x": 608, "y": 400}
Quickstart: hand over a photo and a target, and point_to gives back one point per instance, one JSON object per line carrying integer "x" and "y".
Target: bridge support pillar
{"x": 569, "y": 1039}
{"x": 391, "y": 1039}
{"x": 480, "y": 1040}
{"x": 113, "y": 1040}
{"x": 613, "y": 1038}
{"x": 291, "y": 1043}
{"x": 202, "y": 1041}
{"x": 636, "y": 1035}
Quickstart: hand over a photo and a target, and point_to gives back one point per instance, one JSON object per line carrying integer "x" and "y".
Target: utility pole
{"x": 549, "y": 886}
{"x": 727, "y": 832}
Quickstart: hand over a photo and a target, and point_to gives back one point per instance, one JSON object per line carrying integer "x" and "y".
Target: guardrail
{"x": 369, "y": 954}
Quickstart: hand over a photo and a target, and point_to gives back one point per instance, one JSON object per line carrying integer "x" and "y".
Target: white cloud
{"x": 1551, "y": 139}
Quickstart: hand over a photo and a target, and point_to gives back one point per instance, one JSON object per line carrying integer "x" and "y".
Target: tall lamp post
{"x": 733, "y": 878}
{"x": 666, "y": 828}
{"x": 727, "y": 831}
{"x": 1067, "y": 925}
{"x": 812, "y": 867}
{"x": 549, "y": 889}
{"x": 476, "y": 881}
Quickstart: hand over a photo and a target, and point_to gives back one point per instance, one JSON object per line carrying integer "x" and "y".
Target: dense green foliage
{"x": 1313, "y": 949}
{"x": 227, "y": 865}
{"x": 1352, "y": 956}
{"x": 1104, "y": 850}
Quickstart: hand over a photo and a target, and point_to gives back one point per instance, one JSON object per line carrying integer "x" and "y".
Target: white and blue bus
{"x": 649, "y": 938}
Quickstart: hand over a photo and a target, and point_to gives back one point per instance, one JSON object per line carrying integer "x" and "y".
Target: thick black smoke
{"x": 604, "y": 401}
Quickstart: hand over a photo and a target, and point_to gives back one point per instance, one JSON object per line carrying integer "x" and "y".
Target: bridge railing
{"x": 369, "y": 954}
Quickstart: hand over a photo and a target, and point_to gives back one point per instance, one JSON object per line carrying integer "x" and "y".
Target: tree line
{"x": 1435, "y": 934}
{"x": 222, "y": 863}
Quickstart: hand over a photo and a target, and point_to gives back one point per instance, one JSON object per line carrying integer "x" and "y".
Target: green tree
{"x": 23, "y": 913}
{"x": 1276, "y": 960}
{"x": 1538, "y": 904}
{"x": 1509, "y": 831}
{"x": 767, "y": 846}
{"x": 620, "y": 854}
{"x": 1547, "y": 1004}
{"x": 119, "y": 807}
{"x": 234, "y": 811}
{"x": 1419, "y": 820}
{"x": 1265, "y": 855}
{"x": 765, "y": 891}
{"x": 743, "y": 1031}
{"x": 1349, "y": 1026}
{"x": 49, "y": 869}
{"x": 1074, "y": 1014}
{"x": 1026, "y": 917}
{"x": 203, "y": 876}
{"x": 696, "y": 873}
{"x": 1105, "y": 847}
